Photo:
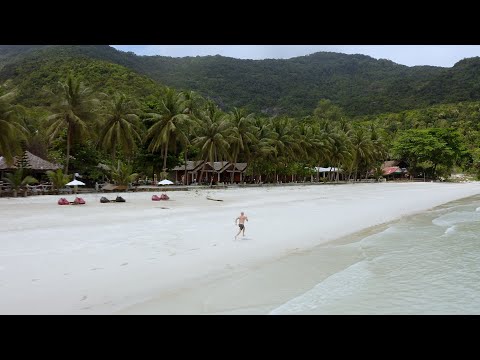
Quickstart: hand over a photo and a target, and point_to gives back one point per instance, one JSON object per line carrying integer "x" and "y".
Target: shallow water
{"x": 423, "y": 264}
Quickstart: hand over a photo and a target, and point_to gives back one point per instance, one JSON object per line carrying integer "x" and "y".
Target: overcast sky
{"x": 437, "y": 55}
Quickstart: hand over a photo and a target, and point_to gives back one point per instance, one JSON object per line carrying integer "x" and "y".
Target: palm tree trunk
{"x": 203, "y": 169}
{"x": 185, "y": 177}
{"x": 113, "y": 151}
{"x": 165, "y": 158}
{"x": 68, "y": 148}
{"x": 234, "y": 167}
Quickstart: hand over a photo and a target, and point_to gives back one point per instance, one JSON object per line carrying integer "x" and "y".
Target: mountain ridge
{"x": 358, "y": 83}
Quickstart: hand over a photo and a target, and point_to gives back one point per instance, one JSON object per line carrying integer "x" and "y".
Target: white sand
{"x": 129, "y": 257}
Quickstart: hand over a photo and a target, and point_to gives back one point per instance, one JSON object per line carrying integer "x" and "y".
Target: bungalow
{"x": 238, "y": 171}
{"x": 326, "y": 171}
{"x": 218, "y": 171}
{"x": 394, "y": 169}
{"x": 36, "y": 165}
{"x": 193, "y": 167}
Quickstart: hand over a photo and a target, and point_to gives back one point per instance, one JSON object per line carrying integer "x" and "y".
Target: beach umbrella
{"x": 75, "y": 183}
{"x": 165, "y": 182}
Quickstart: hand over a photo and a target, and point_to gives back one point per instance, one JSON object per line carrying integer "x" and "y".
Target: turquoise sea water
{"x": 428, "y": 263}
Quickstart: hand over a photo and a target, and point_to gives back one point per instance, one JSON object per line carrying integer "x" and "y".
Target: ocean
{"x": 428, "y": 263}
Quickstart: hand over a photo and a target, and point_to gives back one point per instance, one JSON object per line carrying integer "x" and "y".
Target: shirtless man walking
{"x": 241, "y": 223}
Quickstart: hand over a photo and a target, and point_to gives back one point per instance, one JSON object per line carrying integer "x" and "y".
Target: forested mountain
{"x": 359, "y": 84}
{"x": 34, "y": 72}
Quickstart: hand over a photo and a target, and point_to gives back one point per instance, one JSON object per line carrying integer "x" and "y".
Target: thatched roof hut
{"x": 34, "y": 162}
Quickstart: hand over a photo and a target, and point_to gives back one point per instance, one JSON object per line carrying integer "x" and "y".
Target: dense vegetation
{"x": 81, "y": 110}
{"x": 359, "y": 84}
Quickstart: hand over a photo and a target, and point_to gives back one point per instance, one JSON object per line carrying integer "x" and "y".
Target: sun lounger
{"x": 103, "y": 200}
{"x": 63, "y": 201}
{"x": 161, "y": 197}
{"x": 78, "y": 201}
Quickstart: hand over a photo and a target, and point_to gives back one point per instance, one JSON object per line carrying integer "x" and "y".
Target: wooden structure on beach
{"x": 394, "y": 169}
{"x": 218, "y": 171}
{"x": 35, "y": 164}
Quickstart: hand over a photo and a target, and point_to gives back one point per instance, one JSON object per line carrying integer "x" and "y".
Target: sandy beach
{"x": 179, "y": 256}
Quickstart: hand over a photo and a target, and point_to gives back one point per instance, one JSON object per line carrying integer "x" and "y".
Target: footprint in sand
{"x": 124, "y": 264}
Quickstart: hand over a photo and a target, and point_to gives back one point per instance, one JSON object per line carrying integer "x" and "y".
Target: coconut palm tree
{"x": 73, "y": 110}
{"x": 213, "y": 135}
{"x": 321, "y": 144}
{"x": 11, "y": 130}
{"x": 340, "y": 151}
{"x": 164, "y": 131}
{"x": 16, "y": 180}
{"x": 284, "y": 140}
{"x": 242, "y": 135}
{"x": 361, "y": 148}
{"x": 120, "y": 125}
{"x": 187, "y": 128}
{"x": 263, "y": 147}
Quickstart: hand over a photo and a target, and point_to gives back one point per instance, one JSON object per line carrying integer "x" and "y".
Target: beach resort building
{"x": 218, "y": 171}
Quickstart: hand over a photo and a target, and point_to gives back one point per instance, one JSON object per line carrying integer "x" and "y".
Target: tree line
{"x": 80, "y": 128}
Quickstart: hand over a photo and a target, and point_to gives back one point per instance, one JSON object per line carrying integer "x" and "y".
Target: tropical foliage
{"x": 17, "y": 180}
{"x": 58, "y": 179}
{"x": 84, "y": 111}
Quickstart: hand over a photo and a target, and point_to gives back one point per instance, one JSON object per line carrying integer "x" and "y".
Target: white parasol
{"x": 165, "y": 182}
{"x": 75, "y": 183}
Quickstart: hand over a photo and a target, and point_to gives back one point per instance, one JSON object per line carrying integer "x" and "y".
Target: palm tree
{"x": 120, "y": 126}
{"x": 263, "y": 145}
{"x": 284, "y": 140}
{"x": 242, "y": 135}
{"x": 212, "y": 135}
{"x": 321, "y": 144}
{"x": 17, "y": 181}
{"x": 11, "y": 131}
{"x": 340, "y": 151}
{"x": 361, "y": 148}
{"x": 58, "y": 179}
{"x": 186, "y": 128}
{"x": 167, "y": 119}
{"x": 73, "y": 111}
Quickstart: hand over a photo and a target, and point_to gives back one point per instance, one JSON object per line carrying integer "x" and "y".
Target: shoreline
{"x": 139, "y": 257}
{"x": 218, "y": 293}
{"x": 289, "y": 269}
